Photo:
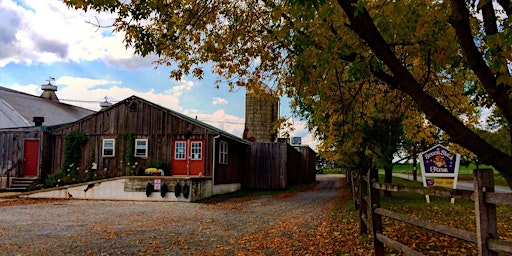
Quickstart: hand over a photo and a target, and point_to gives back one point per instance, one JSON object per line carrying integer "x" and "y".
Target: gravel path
{"x": 252, "y": 224}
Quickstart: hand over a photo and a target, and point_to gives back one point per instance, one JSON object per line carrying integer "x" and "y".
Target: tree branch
{"x": 460, "y": 22}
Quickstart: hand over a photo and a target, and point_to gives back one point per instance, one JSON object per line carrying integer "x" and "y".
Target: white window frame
{"x": 196, "y": 150}
{"x": 183, "y": 145}
{"x": 141, "y": 147}
{"x": 104, "y": 147}
{"x": 223, "y": 152}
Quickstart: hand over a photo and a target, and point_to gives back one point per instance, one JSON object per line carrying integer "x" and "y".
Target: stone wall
{"x": 261, "y": 112}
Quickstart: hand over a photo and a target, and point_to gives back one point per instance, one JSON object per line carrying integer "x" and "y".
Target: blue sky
{"x": 43, "y": 38}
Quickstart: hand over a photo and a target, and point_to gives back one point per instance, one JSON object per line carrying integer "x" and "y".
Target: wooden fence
{"x": 366, "y": 193}
{"x": 278, "y": 166}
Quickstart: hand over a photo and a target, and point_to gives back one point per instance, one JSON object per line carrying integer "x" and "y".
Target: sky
{"x": 43, "y": 39}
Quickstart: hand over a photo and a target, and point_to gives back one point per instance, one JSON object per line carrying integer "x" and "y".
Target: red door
{"x": 31, "y": 158}
{"x": 188, "y": 158}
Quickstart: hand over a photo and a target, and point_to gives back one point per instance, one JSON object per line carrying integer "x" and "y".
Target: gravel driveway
{"x": 281, "y": 223}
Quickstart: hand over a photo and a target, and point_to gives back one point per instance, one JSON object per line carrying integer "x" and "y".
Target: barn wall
{"x": 145, "y": 121}
{"x": 233, "y": 171}
{"x": 12, "y": 148}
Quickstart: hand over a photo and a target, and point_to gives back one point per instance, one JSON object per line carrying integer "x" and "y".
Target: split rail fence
{"x": 366, "y": 193}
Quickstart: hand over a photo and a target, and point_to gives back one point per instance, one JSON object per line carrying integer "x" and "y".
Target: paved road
{"x": 464, "y": 185}
{"x": 238, "y": 225}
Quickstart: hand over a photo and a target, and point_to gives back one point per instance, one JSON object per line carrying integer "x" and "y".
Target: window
{"x": 223, "y": 152}
{"x": 109, "y": 146}
{"x": 141, "y": 147}
{"x": 179, "y": 150}
{"x": 196, "y": 150}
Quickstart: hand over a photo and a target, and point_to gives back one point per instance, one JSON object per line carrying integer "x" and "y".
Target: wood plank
{"x": 440, "y": 228}
{"x": 499, "y": 245}
{"x": 431, "y": 191}
{"x": 397, "y": 245}
{"x": 498, "y": 198}
{"x": 364, "y": 219}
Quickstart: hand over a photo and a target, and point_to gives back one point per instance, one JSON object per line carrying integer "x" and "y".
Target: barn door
{"x": 31, "y": 157}
{"x": 188, "y": 158}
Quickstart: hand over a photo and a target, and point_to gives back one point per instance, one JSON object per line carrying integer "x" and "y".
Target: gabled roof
{"x": 17, "y": 110}
{"x": 182, "y": 116}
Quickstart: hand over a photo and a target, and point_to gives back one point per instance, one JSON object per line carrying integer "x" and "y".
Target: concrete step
{"x": 21, "y": 184}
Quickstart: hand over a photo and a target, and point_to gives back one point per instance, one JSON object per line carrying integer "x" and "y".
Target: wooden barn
{"x": 24, "y": 137}
{"x": 135, "y": 134}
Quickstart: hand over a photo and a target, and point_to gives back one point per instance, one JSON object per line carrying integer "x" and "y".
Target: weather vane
{"x": 50, "y": 79}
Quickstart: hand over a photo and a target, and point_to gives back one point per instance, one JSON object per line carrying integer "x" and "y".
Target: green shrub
{"x": 53, "y": 180}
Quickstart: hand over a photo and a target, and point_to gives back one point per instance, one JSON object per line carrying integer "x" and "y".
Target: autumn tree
{"x": 447, "y": 59}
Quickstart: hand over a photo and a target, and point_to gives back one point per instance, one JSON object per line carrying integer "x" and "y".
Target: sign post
{"x": 439, "y": 168}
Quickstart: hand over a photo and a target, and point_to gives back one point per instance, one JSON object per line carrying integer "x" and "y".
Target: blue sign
{"x": 438, "y": 160}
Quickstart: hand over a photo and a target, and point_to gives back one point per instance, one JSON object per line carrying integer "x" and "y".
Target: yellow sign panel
{"x": 443, "y": 182}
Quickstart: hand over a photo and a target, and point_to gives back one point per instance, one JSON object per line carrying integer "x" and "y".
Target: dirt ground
{"x": 277, "y": 223}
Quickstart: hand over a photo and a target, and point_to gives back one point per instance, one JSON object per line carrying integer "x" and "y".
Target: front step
{"x": 21, "y": 184}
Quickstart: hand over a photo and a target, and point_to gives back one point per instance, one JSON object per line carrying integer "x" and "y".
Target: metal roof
{"x": 17, "y": 110}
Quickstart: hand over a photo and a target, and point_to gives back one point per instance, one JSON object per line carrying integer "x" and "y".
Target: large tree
{"x": 446, "y": 57}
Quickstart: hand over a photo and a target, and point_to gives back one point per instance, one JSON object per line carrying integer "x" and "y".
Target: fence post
{"x": 363, "y": 207}
{"x": 378, "y": 246}
{"x": 483, "y": 182}
{"x": 353, "y": 188}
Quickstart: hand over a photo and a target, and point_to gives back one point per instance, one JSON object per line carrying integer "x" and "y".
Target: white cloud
{"x": 47, "y": 31}
{"x": 177, "y": 90}
{"x": 229, "y": 123}
{"x": 29, "y": 89}
{"x": 219, "y": 101}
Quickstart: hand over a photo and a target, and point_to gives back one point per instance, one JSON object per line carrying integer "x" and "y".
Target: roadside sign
{"x": 439, "y": 168}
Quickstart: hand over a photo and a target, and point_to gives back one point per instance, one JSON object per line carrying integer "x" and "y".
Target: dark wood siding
{"x": 11, "y": 149}
{"x": 232, "y": 171}
{"x": 267, "y": 166}
{"x": 144, "y": 120}
{"x": 307, "y": 171}
{"x": 278, "y": 166}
